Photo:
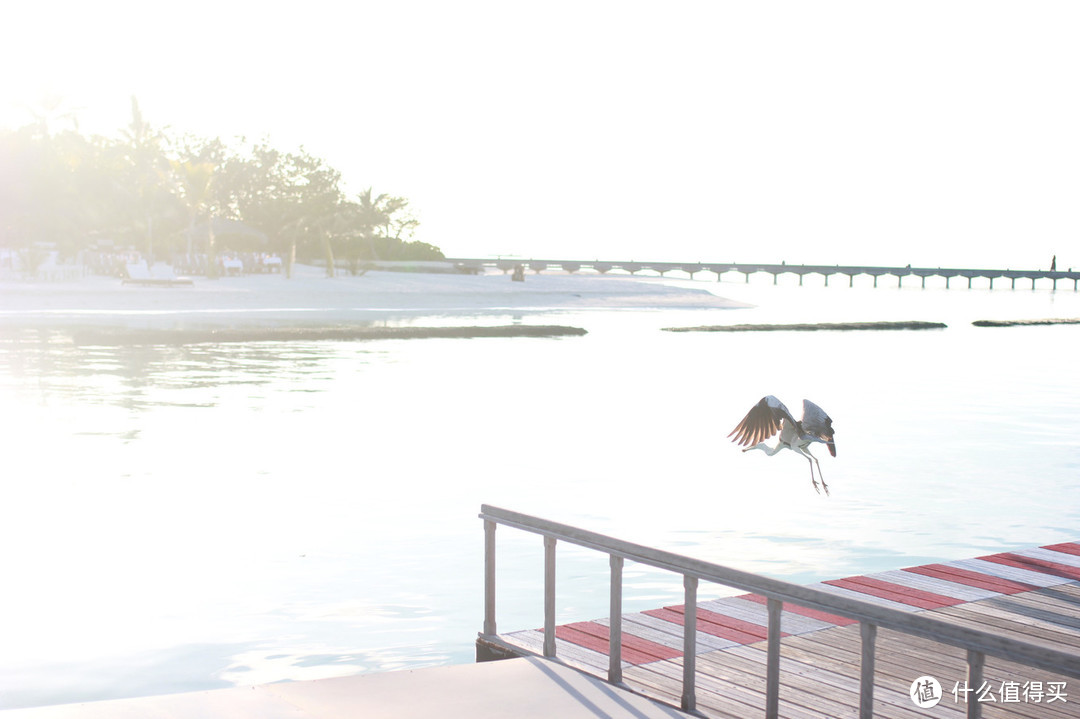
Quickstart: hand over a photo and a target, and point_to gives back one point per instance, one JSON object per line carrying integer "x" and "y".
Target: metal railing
{"x": 978, "y": 643}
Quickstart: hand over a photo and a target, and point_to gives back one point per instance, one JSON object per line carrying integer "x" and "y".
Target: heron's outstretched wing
{"x": 818, "y": 425}
{"x": 761, "y": 422}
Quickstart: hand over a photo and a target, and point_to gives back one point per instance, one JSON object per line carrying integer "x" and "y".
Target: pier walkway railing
{"x": 978, "y": 644}
{"x": 750, "y": 268}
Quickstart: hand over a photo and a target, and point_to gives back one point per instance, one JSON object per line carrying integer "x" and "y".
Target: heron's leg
{"x": 812, "y": 478}
{"x": 819, "y": 474}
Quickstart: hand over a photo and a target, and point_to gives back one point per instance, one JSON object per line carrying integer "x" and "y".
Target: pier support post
{"x": 866, "y": 670}
{"x": 924, "y": 282}
{"x": 875, "y": 280}
{"x": 615, "y": 628}
{"x": 976, "y": 662}
{"x": 947, "y": 278}
{"x": 772, "y": 660}
{"x": 1014, "y": 283}
{"x": 489, "y": 577}
{"x": 549, "y": 596}
{"x": 851, "y": 280}
{"x": 689, "y": 679}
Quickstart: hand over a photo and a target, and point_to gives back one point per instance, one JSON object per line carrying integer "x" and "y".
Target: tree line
{"x": 171, "y": 198}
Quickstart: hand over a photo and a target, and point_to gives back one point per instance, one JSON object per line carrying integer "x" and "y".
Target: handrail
{"x": 977, "y": 642}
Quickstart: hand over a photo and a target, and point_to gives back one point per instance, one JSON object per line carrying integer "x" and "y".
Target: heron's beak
{"x": 832, "y": 447}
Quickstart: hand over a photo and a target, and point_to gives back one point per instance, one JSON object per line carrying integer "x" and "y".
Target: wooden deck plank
{"x": 790, "y": 622}
{"x": 896, "y": 592}
{"x": 1035, "y": 564}
{"x": 667, "y": 633}
{"x": 667, "y": 688}
{"x": 838, "y": 682}
{"x": 725, "y": 695}
{"x": 1066, "y": 558}
{"x": 896, "y": 671}
{"x": 804, "y": 611}
{"x": 937, "y": 586}
{"x": 1006, "y": 624}
{"x": 970, "y": 578}
{"x": 1066, "y": 547}
{"x": 706, "y": 615}
{"x": 707, "y": 627}
{"x": 863, "y": 597}
{"x": 1015, "y": 574}
{"x": 532, "y": 642}
{"x": 1043, "y": 606}
{"x": 593, "y": 635}
{"x": 813, "y": 686}
{"x": 901, "y": 658}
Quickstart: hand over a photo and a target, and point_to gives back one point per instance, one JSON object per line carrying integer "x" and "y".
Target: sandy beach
{"x": 310, "y": 299}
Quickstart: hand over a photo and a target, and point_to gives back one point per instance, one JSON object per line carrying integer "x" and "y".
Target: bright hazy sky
{"x": 931, "y": 133}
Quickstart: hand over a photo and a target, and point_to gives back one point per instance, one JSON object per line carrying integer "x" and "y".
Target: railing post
{"x": 689, "y": 690}
{"x": 489, "y": 577}
{"x": 772, "y": 660}
{"x": 615, "y": 628}
{"x": 549, "y": 596}
{"x": 866, "y": 670}
{"x": 976, "y": 662}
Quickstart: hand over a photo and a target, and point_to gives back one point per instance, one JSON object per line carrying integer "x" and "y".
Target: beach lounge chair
{"x": 160, "y": 275}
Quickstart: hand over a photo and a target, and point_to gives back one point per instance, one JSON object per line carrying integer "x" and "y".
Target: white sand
{"x": 310, "y": 298}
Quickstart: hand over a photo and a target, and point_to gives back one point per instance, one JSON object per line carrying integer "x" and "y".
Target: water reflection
{"x": 136, "y": 377}
{"x": 220, "y": 514}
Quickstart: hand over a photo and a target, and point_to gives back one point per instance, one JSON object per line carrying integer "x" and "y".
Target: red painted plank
{"x": 804, "y": 611}
{"x": 716, "y": 624}
{"x": 1034, "y": 565}
{"x": 896, "y": 592}
{"x": 1065, "y": 548}
{"x": 971, "y": 579}
{"x": 704, "y": 627}
{"x": 635, "y": 650}
{"x": 739, "y": 625}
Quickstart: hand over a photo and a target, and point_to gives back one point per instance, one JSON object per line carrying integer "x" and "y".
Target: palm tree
{"x": 194, "y": 182}
{"x": 371, "y": 214}
{"x": 148, "y": 167}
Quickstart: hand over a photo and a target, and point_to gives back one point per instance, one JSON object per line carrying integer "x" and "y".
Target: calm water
{"x": 180, "y": 518}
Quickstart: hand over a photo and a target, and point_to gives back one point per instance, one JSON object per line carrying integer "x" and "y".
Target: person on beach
{"x": 1053, "y": 263}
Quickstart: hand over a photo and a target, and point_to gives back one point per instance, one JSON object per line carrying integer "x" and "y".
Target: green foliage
{"x": 163, "y": 197}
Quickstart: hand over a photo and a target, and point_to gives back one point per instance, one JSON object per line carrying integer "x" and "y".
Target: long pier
{"x": 999, "y": 633}
{"x": 776, "y": 270}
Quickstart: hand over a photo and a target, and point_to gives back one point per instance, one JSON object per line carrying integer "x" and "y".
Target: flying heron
{"x": 770, "y": 416}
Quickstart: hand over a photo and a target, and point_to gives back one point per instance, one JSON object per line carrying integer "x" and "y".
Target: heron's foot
{"x": 825, "y": 486}
{"x": 816, "y": 488}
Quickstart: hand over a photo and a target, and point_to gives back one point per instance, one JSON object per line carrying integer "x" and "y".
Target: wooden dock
{"x": 1030, "y": 596}
{"x": 746, "y": 269}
